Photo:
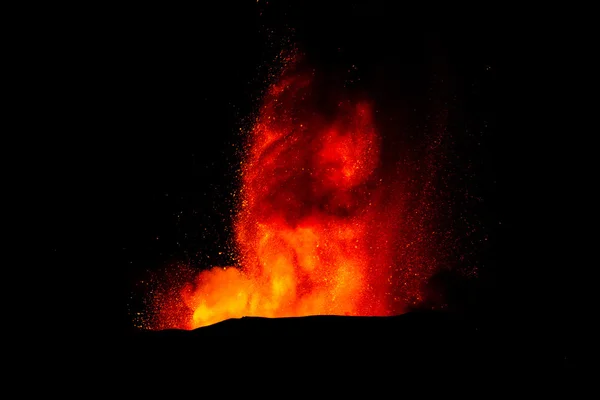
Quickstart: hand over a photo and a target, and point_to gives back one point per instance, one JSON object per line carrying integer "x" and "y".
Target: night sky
{"x": 174, "y": 89}
{"x": 185, "y": 90}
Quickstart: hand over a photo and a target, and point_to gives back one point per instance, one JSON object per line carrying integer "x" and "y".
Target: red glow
{"x": 319, "y": 229}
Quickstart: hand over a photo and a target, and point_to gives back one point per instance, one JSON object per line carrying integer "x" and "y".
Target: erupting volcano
{"x": 320, "y": 227}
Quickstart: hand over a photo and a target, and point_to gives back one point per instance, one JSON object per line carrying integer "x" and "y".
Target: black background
{"x": 159, "y": 98}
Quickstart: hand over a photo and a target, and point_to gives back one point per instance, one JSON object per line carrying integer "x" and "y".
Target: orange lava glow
{"x": 318, "y": 228}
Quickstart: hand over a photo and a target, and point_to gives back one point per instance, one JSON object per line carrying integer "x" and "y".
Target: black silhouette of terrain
{"x": 368, "y": 349}
{"x": 319, "y": 343}
{"x": 323, "y": 326}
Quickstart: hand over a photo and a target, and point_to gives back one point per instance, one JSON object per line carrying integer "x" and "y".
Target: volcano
{"x": 323, "y": 225}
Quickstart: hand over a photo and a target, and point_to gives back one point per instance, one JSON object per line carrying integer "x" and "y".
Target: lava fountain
{"x": 319, "y": 228}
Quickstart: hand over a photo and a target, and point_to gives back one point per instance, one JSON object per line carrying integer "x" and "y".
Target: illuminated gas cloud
{"x": 319, "y": 227}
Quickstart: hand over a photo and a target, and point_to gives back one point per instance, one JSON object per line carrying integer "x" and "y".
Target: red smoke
{"x": 319, "y": 228}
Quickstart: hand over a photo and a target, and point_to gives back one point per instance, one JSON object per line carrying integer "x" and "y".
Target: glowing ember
{"x": 319, "y": 229}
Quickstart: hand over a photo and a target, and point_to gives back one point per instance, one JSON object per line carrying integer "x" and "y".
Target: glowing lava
{"x": 318, "y": 226}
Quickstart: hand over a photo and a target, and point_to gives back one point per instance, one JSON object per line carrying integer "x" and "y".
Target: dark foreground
{"x": 366, "y": 348}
